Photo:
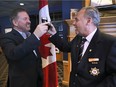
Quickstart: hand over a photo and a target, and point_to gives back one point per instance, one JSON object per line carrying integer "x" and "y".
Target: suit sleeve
{"x": 60, "y": 44}
{"x": 17, "y": 49}
{"x": 110, "y": 80}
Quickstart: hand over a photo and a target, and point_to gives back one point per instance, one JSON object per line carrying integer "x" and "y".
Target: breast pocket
{"x": 96, "y": 67}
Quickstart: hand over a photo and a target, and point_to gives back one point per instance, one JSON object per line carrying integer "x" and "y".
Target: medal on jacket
{"x": 94, "y": 71}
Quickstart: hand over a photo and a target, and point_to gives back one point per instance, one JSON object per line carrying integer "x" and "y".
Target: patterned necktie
{"x": 81, "y": 48}
{"x": 24, "y": 35}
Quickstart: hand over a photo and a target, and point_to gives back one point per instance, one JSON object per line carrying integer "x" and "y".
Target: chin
{"x": 28, "y": 29}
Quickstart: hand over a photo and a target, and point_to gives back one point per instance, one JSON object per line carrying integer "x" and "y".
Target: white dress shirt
{"x": 24, "y": 34}
{"x": 89, "y": 37}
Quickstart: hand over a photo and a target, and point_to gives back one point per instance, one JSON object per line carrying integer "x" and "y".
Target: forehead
{"x": 81, "y": 12}
{"x": 22, "y": 14}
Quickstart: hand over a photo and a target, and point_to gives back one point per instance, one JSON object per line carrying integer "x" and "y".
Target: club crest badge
{"x": 94, "y": 71}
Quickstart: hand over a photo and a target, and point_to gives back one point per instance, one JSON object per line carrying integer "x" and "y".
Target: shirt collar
{"x": 23, "y": 33}
{"x": 89, "y": 37}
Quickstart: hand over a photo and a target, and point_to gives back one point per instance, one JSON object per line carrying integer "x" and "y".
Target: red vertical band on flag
{"x": 42, "y": 3}
{"x": 47, "y": 51}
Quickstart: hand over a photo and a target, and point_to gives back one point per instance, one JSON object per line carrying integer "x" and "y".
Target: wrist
{"x": 36, "y": 36}
{"x": 53, "y": 33}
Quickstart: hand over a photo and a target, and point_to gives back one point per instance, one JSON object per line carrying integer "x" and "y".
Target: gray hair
{"x": 93, "y": 13}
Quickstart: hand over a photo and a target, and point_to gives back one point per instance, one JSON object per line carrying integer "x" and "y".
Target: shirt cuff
{"x": 37, "y": 37}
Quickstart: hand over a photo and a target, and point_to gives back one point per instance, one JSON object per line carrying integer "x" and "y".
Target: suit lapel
{"x": 78, "y": 45}
{"x": 18, "y": 35}
{"x": 20, "y": 39}
{"x": 90, "y": 52}
{"x": 75, "y": 51}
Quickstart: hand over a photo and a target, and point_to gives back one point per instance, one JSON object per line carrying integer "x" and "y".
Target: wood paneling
{"x": 87, "y": 2}
{"x": 66, "y": 73}
{"x": 59, "y": 56}
{"x": 108, "y": 25}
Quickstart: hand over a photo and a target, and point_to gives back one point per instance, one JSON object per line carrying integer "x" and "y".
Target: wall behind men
{"x": 4, "y": 23}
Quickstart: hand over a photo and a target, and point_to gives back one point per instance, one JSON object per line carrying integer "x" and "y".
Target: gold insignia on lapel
{"x": 90, "y": 50}
{"x": 94, "y": 71}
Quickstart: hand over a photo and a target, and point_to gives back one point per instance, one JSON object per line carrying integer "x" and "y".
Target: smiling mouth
{"x": 28, "y": 25}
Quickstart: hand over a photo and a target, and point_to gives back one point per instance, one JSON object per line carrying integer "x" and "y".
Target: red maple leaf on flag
{"x": 45, "y": 46}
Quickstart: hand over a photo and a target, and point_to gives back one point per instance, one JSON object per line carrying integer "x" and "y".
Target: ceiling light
{"x": 21, "y": 3}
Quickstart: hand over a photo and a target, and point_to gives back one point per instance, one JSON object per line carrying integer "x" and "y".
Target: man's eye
{"x": 24, "y": 18}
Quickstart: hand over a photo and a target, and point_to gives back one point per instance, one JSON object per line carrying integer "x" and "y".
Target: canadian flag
{"x": 47, "y": 51}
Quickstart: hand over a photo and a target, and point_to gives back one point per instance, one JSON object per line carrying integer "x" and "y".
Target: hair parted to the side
{"x": 15, "y": 12}
{"x": 93, "y": 13}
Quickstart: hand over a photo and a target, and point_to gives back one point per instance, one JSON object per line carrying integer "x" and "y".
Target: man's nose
{"x": 29, "y": 21}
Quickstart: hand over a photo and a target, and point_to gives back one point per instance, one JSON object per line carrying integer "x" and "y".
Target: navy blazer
{"x": 25, "y": 68}
{"x": 97, "y": 68}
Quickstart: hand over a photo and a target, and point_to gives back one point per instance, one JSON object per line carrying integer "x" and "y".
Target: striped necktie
{"x": 81, "y": 48}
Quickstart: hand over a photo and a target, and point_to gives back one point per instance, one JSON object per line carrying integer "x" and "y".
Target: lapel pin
{"x": 90, "y": 50}
{"x": 94, "y": 71}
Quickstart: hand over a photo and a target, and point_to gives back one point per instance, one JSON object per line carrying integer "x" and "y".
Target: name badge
{"x": 93, "y": 59}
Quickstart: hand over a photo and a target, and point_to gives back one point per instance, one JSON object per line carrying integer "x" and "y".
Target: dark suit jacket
{"x": 25, "y": 68}
{"x": 101, "y": 73}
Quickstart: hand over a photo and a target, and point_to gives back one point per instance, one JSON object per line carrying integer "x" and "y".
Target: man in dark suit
{"x": 97, "y": 65}
{"x": 21, "y": 51}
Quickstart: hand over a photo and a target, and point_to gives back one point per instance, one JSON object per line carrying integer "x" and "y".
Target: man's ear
{"x": 89, "y": 20}
{"x": 15, "y": 22}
